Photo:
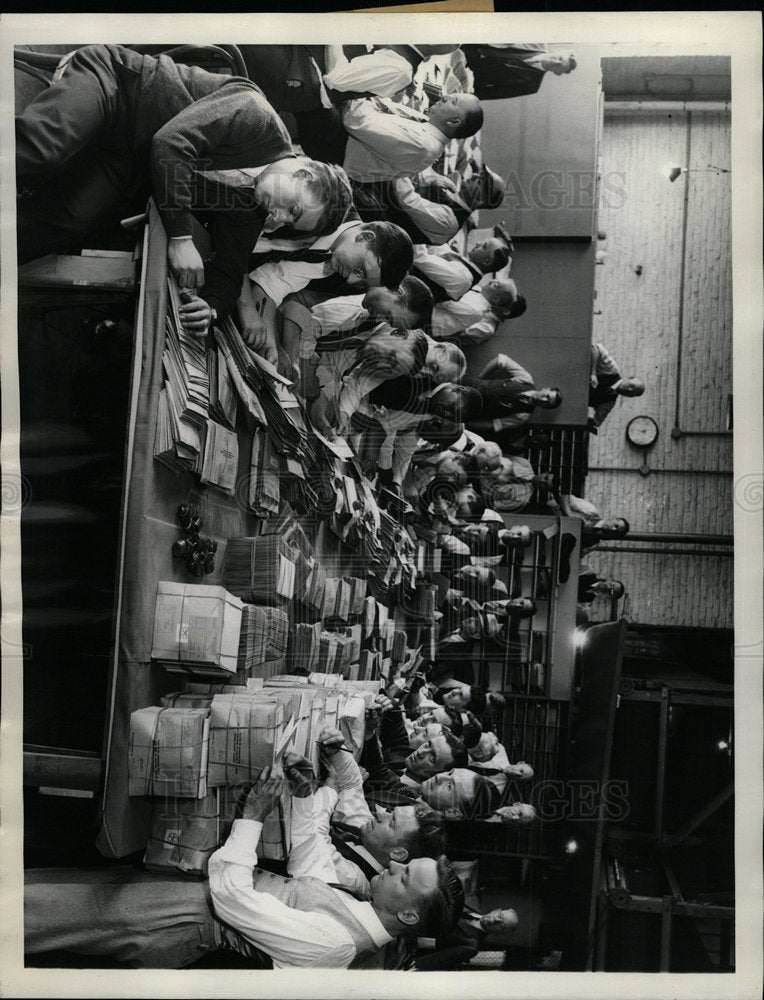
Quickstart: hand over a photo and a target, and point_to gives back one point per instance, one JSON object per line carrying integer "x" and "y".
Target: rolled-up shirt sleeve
{"x": 383, "y": 73}
{"x": 290, "y": 937}
{"x": 437, "y": 222}
{"x": 351, "y": 806}
{"x": 281, "y": 278}
{"x": 402, "y": 146}
{"x": 481, "y": 331}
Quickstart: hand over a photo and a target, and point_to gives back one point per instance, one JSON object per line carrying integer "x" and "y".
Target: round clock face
{"x": 642, "y": 431}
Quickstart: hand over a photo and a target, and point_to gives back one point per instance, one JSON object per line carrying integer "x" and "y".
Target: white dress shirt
{"x": 438, "y": 222}
{"x": 601, "y": 364}
{"x": 384, "y": 146}
{"x": 346, "y": 387}
{"x": 453, "y": 276}
{"x": 291, "y": 937}
{"x": 341, "y": 800}
{"x": 313, "y": 852}
{"x": 383, "y": 72}
{"x": 584, "y": 509}
{"x": 281, "y": 278}
{"x": 499, "y": 760}
{"x": 471, "y": 316}
{"x": 338, "y": 315}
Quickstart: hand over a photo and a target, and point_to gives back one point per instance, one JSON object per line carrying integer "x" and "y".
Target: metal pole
{"x": 700, "y": 816}
{"x": 635, "y": 107}
{"x": 661, "y": 777}
{"x": 677, "y": 538}
{"x": 728, "y": 553}
{"x": 666, "y": 918}
{"x": 683, "y": 472}
{"x": 682, "y": 270}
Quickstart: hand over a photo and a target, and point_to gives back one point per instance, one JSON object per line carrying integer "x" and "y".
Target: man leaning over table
{"x": 117, "y": 125}
{"x": 153, "y": 921}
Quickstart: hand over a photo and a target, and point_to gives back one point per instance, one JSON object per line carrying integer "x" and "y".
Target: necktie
{"x": 350, "y": 892}
{"x": 400, "y": 110}
{"x": 305, "y": 254}
{"x": 486, "y": 772}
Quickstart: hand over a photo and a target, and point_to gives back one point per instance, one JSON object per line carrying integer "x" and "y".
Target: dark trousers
{"x": 322, "y": 134}
{"x": 139, "y": 918}
{"x": 73, "y": 149}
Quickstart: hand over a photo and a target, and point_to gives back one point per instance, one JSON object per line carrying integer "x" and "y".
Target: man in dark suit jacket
{"x": 117, "y": 124}
{"x": 502, "y": 71}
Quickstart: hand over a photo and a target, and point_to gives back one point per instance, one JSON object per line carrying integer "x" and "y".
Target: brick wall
{"x": 637, "y": 317}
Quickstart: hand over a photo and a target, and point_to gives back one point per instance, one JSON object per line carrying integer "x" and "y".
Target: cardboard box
{"x": 168, "y": 752}
{"x": 197, "y": 626}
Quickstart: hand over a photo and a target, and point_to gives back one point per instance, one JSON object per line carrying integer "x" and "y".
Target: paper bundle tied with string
{"x": 243, "y": 733}
{"x": 168, "y": 752}
{"x": 184, "y": 833}
{"x": 297, "y": 704}
{"x": 196, "y": 628}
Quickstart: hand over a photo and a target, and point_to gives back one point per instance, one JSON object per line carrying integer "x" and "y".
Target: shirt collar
{"x": 366, "y": 914}
{"x": 361, "y": 851}
{"x": 411, "y": 782}
{"x": 235, "y": 176}
{"x": 440, "y": 136}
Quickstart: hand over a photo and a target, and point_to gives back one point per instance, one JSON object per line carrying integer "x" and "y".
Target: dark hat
{"x": 493, "y": 187}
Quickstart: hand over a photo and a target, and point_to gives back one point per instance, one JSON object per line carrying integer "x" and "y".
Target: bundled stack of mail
{"x": 264, "y": 635}
{"x": 168, "y": 751}
{"x": 220, "y": 464}
{"x": 197, "y": 629}
{"x": 223, "y": 398}
{"x": 343, "y": 598}
{"x": 184, "y": 833}
{"x": 260, "y": 569}
{"x": 264, "y": 488}
{"x": 184, "y": 398}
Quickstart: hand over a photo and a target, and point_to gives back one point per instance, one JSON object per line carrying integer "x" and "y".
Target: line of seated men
{"x": 294, "y": 237}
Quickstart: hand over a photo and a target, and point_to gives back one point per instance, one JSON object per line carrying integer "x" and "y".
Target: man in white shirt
{"x": 384, "y": 72}
{"x": 347, "y": 375}
{"x": 430, "y": 207}
{"x": 409, "y": 307}
{"x": 324, "y": 930}
{"x": 476, "y": 315}
{"x": 449, "y": 275}
{"x": 362, "y": 254}
{"x": 348, "y": 843}
{"x": 388, "y": 140}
